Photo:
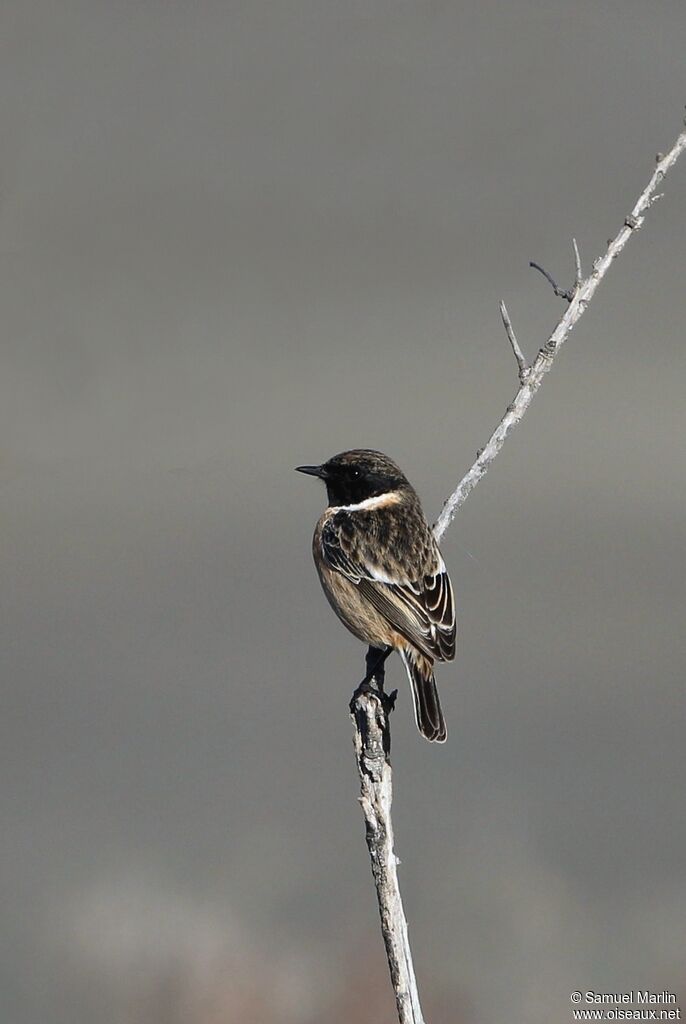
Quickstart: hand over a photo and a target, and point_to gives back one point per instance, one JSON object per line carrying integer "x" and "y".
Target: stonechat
{"x": 383, "y": 573}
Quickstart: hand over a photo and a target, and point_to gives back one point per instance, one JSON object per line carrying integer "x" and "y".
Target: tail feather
{"x": 427, "y": 706}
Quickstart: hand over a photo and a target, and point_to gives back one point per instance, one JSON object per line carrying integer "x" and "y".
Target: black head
{"x": 353, "y": 476}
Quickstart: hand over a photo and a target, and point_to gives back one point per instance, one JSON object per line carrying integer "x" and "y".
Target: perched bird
{"x": 383, "y": 574}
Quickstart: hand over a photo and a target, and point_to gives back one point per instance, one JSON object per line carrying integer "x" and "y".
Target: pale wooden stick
{"x": 372, "y": 741}
{"x": 370, "y": 710}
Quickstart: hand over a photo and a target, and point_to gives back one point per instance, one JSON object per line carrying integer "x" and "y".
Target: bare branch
{"x": 580, "y": 298}
{"x": 372, "y": 746}
{"x": 518, "y": 354}
{"x": 370, "y": 707}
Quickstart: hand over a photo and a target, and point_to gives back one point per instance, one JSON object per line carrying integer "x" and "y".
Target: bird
{"x": 383, "y": 573}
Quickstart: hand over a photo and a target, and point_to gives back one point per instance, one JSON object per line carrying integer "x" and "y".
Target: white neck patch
{"x": 378, "y": 501}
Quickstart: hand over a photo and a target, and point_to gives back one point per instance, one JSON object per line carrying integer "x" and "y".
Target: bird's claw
{"x": 387, "y": 700}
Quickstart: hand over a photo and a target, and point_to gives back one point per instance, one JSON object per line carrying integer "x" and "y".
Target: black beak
{"x": 319, "y": 471}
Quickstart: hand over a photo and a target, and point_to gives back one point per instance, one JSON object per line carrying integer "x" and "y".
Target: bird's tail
{"x": 427, "y": 706}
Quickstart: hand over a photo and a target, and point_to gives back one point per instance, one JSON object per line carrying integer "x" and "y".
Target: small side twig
{"x": 561, "y": 293}
{"x": 518, "y": 354}
{"x": 578, "y": 280}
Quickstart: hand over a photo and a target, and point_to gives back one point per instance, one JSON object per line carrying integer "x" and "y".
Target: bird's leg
{"x": 374, "y": 680}
{"x": 376, "y": 665}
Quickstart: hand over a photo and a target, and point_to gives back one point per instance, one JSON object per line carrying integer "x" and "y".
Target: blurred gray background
{"x": 235, "y": 237}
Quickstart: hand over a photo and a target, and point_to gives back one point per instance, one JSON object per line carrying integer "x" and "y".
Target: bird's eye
{"x": 356, "y": 474}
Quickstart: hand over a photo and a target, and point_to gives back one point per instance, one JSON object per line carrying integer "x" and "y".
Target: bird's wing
{"x": 422, "y": 610}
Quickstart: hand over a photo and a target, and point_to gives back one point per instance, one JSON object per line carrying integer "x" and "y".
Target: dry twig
{"x": 369, "y": 711}
{"x": 578, "y": 298}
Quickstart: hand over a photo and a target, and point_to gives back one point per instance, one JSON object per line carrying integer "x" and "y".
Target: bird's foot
{"x": 376, "y": 665}
{"x": 367, "y": 686}
{"x": 388, "y": 701}
{"x": 374, "y": 680}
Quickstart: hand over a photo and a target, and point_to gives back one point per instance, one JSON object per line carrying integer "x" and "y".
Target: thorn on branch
{"x": 560, "y": 292}
{"x": 518, "y": 354}
{"x": 577, "y": 266}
